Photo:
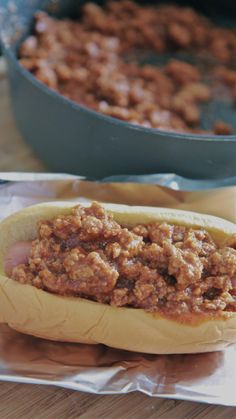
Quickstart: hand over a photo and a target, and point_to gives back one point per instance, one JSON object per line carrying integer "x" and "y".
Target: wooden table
{"x": 41, "y": 402}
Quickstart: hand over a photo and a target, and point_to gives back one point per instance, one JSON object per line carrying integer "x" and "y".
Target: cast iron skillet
{"x": 71, "y": 138}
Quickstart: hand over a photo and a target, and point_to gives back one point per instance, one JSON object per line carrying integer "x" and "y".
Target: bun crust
{"x": 39, "y": 313}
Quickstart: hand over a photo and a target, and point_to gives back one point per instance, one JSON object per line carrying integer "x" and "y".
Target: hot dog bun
{"x": 39, "y": 313}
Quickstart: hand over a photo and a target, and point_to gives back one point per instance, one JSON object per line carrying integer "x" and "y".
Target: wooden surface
{"x": 40, "y": 402}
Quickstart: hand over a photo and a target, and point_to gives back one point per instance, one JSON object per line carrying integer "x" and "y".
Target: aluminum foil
{"x": 209, "y": 377}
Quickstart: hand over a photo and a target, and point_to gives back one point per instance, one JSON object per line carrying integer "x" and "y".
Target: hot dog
{"x": 143, "y": 279}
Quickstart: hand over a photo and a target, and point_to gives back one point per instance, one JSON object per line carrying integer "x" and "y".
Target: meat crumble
{"x": 90, "y": 62}
{"x": 159, "y": 267}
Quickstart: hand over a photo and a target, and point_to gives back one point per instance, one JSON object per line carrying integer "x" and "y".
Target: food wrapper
{"x": 208, "y": 377}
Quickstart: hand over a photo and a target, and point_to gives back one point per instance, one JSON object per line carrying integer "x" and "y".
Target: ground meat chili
{"x": 172, "y": 269}
{"x": 95, "y": 61}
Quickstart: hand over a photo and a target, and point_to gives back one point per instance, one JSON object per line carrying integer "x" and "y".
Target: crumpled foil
{"x": 209, "y": 377}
